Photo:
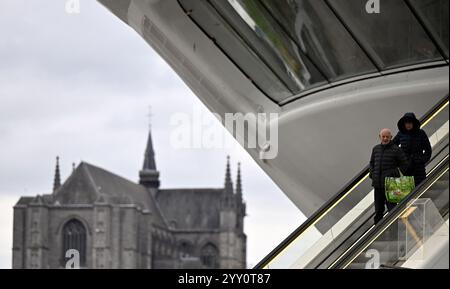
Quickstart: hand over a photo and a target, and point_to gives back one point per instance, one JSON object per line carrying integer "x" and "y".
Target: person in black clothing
{"x": 415, "y": 144}
{"x": 385, "y": 161}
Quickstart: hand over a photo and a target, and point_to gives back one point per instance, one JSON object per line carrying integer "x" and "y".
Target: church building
{"x": 111, "y": 222}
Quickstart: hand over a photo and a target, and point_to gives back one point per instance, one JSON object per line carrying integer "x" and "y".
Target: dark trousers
{"x": 418, "y": 180}
{"x": 380, "y": 203}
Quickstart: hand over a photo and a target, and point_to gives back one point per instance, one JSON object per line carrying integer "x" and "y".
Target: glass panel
{"x": 320, "y": 35}
{"x": 287, "y": 47}
{"x": 350, "y": 217}
{"x": 271, "y": 43}
{"x": 434, "y": 13}
{"x": 236, "y": 49}
{"x": 393, "y": 37}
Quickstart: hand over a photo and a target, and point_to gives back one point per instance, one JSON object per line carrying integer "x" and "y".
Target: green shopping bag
{"x": 398, "y": 188}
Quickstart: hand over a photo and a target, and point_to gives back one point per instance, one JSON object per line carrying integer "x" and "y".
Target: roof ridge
{"x": 110, "y": 173}
{"x": 85, "y": 168}
{"x": 161, "y": 213}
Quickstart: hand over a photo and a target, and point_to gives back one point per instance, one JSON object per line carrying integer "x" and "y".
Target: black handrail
{"x": 394, "y": 214}
{"x": 318, "y": 214}
{"x": 382, "y": 266}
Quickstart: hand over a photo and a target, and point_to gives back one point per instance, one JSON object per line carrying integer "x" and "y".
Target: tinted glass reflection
{"x": 319, "y": 34}
{"x": 393, "y": 37}
{"x": 272, "y": 44}
{"x": 434, "y": 14}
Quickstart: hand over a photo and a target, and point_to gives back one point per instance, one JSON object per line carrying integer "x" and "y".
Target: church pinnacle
{"x": 57, "y": 179}
{"x": 228, "y": 181}
{"x": 239, "y": 183}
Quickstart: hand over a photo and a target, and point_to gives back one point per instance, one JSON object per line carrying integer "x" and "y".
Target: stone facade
{"x": 115, "y": 223}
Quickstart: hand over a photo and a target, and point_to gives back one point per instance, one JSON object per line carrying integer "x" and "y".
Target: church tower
{"x": 149, "y": 175}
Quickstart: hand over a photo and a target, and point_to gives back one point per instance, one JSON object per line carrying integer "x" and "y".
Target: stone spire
{"x": 57, "y": 179}
{"x": 239, "y": 184}
{"x": 228, "y": 181}
{"x": 149, "y": 176}
{"x": 149, "y": 158}
{"x": 240, "y": 204}
{"x": 227, "y": 199}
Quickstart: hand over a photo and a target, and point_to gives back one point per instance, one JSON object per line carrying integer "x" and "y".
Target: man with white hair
{"x": 386, "y": 160}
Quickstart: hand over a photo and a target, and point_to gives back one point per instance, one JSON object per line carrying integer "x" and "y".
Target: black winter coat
{"x": 385, "y": 161}
{"x": 416, "y": 146}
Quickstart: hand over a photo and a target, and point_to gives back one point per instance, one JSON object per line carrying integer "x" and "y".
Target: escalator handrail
{"x": 391, "y": 217}
{"x": 330, "y": 203}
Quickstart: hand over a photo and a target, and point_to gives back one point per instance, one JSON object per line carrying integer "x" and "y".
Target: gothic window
{"x": 210, "y": 256}
{"x": 74, "y": 237}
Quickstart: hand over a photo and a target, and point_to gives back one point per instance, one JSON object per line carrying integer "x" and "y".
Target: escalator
{"x": 414, "y": 234}
{"x": 339, "y": 234}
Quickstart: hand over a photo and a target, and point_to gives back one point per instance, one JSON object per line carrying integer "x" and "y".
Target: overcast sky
{"x": 79, "y": 86}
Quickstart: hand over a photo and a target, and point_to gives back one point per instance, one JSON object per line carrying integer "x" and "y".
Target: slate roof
{"x": 44, "y": 199}
{"x": 191, "y": 209}
{"x": 89, "y": 184}
{"x": 24, "y": 201}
